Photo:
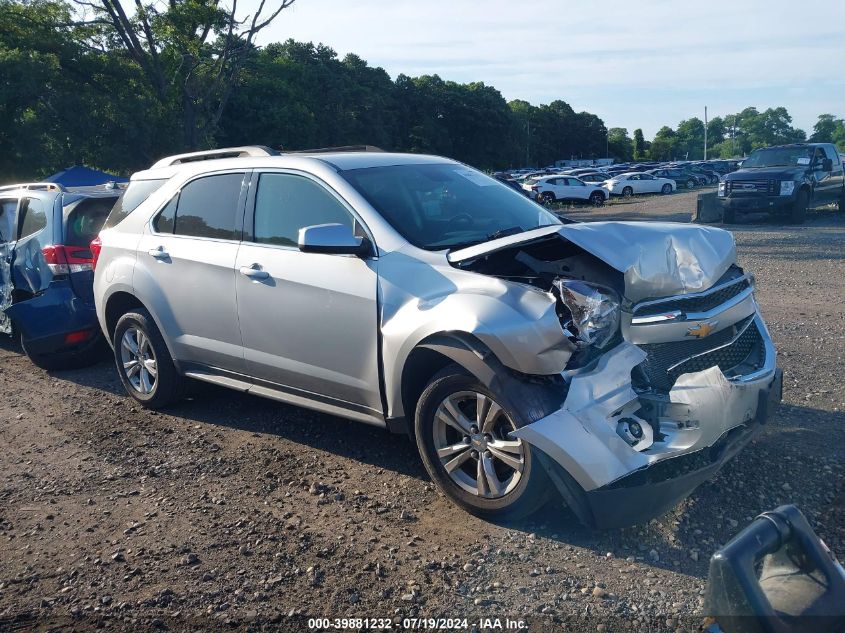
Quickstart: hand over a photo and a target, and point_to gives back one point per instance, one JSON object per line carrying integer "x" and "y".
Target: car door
{"x": 8, "y": 236}
{"x": 577, "y": 189}
{"x": 309, "y": 321}
{"x": 185, "y": 270}
{"x": 649, "y": 183}
{"x": 634, "y": 183}
{"x": 832, "y": 181}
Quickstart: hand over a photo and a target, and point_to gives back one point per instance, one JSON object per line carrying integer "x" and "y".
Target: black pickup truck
{"x": 785, "y": 179}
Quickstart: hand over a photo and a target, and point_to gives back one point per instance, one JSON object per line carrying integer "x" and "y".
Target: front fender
{"x": 516, "y": 322}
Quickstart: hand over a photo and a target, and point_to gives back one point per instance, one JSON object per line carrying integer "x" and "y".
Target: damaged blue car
{"x": 46, "y": 270}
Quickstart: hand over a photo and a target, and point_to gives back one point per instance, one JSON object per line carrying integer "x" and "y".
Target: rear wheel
{"x": 627, "y": 192}
{"x": 666, "y": 189}
{"x": 462, "y": 430}
{"x": 798, "y": 213}
{"x": 596, "y": 198}
{"x": 547, "y": 197}
{"x": 143, "y": 361}
{"x": 690, "y": 184}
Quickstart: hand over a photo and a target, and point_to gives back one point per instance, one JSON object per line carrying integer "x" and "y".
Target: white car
{"x": 635, "y": 182}
{"x": 550, "y": 189}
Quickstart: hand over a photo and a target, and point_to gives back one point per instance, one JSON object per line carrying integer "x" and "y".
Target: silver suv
{"x": 622, "y": 362}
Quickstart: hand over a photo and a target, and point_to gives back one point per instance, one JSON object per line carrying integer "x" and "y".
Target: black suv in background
{"x": 46, "y": 270}
{"x": 785, "y": 179}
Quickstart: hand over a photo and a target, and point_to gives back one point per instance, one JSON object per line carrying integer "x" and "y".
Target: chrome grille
{"x": 751, "y": 186}
{"x": 741, "y": 344}
{"x": 720, "y": 293}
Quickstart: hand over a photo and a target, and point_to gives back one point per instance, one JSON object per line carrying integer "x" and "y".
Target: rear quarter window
{"x": 131, "y": 198}
{"x": 85, "y": 220}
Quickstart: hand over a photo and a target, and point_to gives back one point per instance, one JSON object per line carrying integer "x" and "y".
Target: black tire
{"x": 597, "y": 198}
{"x": 547, "y": 197}
{"x": 842, "y": 205}
{"x": 690, "y": 183}
{"x": 798, "y": 212}
{"x": 666, "y": 189}
{"x": 168, "y": 385}
{"x": 63, "y": 361}
{"x": 627, "y": 192}
{"x": 729, "y": 216}
{"x": 526, "y": 496}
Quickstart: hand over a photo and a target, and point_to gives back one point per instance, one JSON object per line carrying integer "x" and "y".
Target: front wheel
{"x": 798, "y": 213}
{"x": 462, "y": 430}
{"x": 666, "y": 189}
{"x": 627, "y": 192}
{"x": 143, "y": 361}
{"x": 597, "y": 199}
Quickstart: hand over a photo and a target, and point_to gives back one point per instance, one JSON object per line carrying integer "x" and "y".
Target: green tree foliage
{"x": 639, "y": 145}
{"x": 829, "y": 129}
{"x": 620, "y": 145}
{"x": 81, "y": 81}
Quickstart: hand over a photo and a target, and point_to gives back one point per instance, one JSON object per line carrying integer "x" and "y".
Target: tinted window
{"x": 285, "y": 203}
{"x": 166, "y": 220}
{"x": 8, "y": 210}
{"x": 208, "y": 206}
{"x": 33, "y": 217}
{"x": 86, "y": 219}
{"x": 134, "y": 195}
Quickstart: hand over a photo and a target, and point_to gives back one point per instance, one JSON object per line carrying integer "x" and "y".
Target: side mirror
{"x": 332, "y": 239}
{"x": 827, "y": 164}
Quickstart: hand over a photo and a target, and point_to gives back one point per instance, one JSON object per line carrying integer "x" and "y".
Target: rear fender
{"x": 56, "y": 311}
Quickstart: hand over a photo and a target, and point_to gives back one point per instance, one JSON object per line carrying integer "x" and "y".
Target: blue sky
{"x": 633, "y": 63}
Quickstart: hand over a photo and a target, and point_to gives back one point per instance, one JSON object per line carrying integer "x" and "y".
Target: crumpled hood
{"x": 657, "y": 259}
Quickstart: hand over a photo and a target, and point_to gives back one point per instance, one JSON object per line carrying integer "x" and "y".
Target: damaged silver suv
{"x": 622, "y": 362}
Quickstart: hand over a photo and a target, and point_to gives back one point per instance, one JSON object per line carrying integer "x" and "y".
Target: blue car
{"x": 47, "y": 270}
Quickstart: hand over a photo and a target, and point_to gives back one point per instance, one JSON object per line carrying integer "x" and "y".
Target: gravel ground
{"x": 230, "y": 509}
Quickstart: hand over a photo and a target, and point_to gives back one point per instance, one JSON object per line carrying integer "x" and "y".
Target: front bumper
{"x": 757, "y": 203}
{"x": 704, "y": 420}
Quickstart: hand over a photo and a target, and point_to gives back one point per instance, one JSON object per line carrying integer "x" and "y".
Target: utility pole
{"x": 705, "y": 132}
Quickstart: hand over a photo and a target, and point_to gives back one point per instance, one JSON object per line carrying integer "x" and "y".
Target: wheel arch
{"x": 437, "y": 351}
{"x": 118, "y": 304}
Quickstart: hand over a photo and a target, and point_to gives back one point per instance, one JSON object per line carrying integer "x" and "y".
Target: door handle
{"x": 254, "y": 272}
{"x": 158, "y": 253}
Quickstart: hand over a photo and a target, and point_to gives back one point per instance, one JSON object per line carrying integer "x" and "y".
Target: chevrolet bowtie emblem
{"x": 703, "y": 329}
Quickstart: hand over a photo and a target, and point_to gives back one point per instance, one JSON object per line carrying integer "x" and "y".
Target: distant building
{"x": 584, "y": 162}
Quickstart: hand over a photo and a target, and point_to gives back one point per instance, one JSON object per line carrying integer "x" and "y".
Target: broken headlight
{"x": 593, "y": 311}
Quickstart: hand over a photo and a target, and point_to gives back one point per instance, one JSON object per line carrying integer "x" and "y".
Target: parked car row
{"x": 417, "y": 294}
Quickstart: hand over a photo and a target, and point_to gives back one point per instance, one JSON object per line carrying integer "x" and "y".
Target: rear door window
{"x": 85, "y": 220}
{"x": 32, "y": 217}
{"x": 131, "y": 198}
{"x": 205, "y": 207}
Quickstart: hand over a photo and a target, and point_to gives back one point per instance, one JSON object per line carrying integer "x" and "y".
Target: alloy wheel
{"x": 471, "y": 440}
{"x": 138, "y": 360}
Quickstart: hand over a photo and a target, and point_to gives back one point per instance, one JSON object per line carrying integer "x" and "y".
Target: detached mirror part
{"x": 776, "y": 576}
{"x": 332, "y": 239}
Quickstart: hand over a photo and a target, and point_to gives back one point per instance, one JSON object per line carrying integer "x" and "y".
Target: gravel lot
{"x": 230, "y": 509}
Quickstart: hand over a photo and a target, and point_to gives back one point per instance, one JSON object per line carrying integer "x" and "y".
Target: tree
{"x": 620, "y": 145}
{"x": 639, "y": 145}
{"x": 690, "y": 139}
{"x": 190, "y": 51}
{"x": 664, "y": 145}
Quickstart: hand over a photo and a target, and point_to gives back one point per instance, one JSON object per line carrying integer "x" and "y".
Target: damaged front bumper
{"x": 610, "y": 478}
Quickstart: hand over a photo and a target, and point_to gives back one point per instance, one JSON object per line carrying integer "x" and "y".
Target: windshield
{"x": 446, "y": 205}
{"x": 779, "y": 157}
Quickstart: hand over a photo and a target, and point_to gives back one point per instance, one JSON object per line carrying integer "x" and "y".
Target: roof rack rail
{"x": 342, "y": 148}
{"x": 46, "y": 186}
{"x": 213, "y": 154}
